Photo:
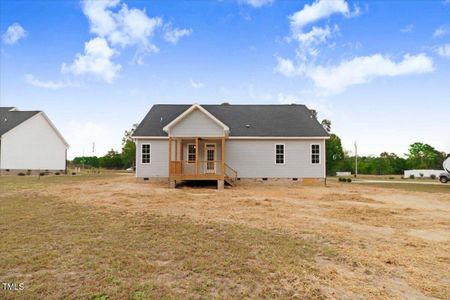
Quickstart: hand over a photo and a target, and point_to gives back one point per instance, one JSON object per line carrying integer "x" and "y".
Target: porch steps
{"x": 230, "y": 181}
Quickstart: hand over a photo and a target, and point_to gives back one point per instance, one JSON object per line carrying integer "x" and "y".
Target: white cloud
{"x": 309, "y": 41}
{"x": 96, "y": 60}
{"x": 443, "y": 50}
{"x": 318, "y": 10}
{"x": 13, "y": 34}
{"x": 359, "y": 70}
{"x": 125, "y": 27}
{"x": 101, "y": 19}
{"x": 315, "y": 36}
{"x": 285, "y": 67}
{"x": 408, "y": 28}
{"x": 172, "y": 35}
{"x": 286, "y": 98}
{"x": 257, "y": 3}
{"x": 196, "y": 84}
{"x": 441, "y": 31}
{"x": 36, "y": 82}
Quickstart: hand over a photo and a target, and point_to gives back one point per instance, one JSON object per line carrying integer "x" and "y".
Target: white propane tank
{"x": 446, "y": 164}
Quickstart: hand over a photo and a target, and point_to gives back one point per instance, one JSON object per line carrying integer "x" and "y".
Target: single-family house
{"x": 229, "y": 143}
{"x": 30, "y": 141}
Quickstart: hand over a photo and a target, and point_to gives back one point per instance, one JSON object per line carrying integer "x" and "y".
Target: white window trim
{"x": 187, "y": 153}
{"x": 310, "y": 154}
{"x": 284, "y": 154}
{"x": 150, "y": 154}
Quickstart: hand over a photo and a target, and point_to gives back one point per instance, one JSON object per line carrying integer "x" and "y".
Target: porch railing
{"x": 201, "y": 167}
{"x": 230, "y": 172}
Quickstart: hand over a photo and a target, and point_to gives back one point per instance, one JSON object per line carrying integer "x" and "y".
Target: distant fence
{"x": 423, "y": 173}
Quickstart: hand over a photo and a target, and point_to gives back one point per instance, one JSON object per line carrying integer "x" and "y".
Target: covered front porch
{"x": 199, "y": 158}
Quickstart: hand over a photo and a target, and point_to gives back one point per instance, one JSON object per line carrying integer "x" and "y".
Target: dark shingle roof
{"x": 264, "y": 120}
{"x": 11, "y": 118}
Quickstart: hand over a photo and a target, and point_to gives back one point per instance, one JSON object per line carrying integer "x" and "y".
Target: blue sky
{"x": 379, "y": 70}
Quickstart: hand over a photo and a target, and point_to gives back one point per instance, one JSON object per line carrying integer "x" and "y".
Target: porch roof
{"x": 242, "y": 120}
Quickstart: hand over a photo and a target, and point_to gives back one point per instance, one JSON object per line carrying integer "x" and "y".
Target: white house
{"x": 230, "y": 143}
{"x": 29, "y": 141}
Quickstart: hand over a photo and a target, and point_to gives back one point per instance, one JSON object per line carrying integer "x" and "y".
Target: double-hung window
{"x": 191, "y": 153}
{"x": 315, "y": 154}
{"x": 279, "y": 154}
{"x": 145, "y": 153}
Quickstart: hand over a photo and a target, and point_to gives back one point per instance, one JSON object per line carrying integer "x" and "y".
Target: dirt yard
{"x": 109, "y": 237}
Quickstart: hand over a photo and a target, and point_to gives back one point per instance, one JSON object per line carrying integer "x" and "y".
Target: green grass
{"x": 60, "y": 249}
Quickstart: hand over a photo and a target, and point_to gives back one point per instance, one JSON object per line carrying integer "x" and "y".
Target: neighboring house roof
{"x": 10, "y": 118}
{"x": 243, "y": 120}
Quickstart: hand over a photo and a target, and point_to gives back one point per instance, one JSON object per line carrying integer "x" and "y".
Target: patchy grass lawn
{"x": 61, "y": 249}
{"x": 109, "y": 236}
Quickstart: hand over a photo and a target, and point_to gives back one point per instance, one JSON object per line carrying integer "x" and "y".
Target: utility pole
{"x": 356, "y": 159}
{"x": 93, "y": 147}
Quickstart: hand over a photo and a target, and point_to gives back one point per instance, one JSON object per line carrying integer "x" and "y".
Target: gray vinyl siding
{"x": 256, "y": 158}
{"x": 250, "y": 158}
{"x": 196, "y": 124}
{"x": 159, "y": 156}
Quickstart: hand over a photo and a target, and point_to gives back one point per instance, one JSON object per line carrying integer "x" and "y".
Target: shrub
{"x": 341, "y": 179}
{"x": 42, "y": 174}
{"x": 432, "y": 176}
{"x": 21, "y": 174}
{"x": 28, "y": 172}
{"x": 391, "y": 177}
{"x": 412, "y": 176}
{"x": 73, "y": 173}
{"x": 57, "y": 173}
{"x": 421, "y": 175}
{"x": 349, "y": 180}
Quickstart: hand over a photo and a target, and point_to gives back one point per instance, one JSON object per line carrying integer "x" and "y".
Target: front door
{"x": 210, "y": 150}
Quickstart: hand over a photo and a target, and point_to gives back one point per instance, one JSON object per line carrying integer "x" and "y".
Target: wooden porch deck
{"x": 209, "y": 168}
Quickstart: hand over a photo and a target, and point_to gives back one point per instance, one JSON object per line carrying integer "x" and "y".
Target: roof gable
{"x": 189, "y": 111}
{"x": 11, "y": 118}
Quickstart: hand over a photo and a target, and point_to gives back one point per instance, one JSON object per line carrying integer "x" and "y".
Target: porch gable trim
{"x": 191, "y": 109}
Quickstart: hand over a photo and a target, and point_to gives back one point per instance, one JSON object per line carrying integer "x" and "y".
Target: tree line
{"x": 419, "y": 156}
{"x": 113, "y": 159}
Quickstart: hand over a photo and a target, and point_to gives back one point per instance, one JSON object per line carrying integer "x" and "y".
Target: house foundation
{"x": 220, "y": 184}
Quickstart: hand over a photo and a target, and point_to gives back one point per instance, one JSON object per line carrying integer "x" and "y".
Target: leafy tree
{"x": 129, "y": 148}
{"x": 112, "y": 160}
{"x": 334, "y": 154}
{"x": 91, "y": 161}
{"x": 423, "y": 156}
{"x": 326, "y": 124}
{"x": 128, "y": 133}
{"x": 129, "y": 154}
